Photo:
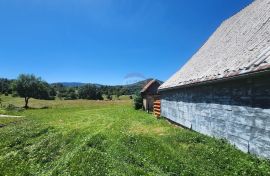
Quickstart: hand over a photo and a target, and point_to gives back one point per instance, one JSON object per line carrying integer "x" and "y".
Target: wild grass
{"x": 110, "y": 138}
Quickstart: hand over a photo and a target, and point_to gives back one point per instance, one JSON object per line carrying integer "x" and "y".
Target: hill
{"x": 139, "y": 85}
{"x": 135, "y": 87}
{"x": 74, "y": 84}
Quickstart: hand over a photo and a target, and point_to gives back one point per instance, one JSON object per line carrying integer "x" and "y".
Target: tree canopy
{"x": 90, "y": 92}
{"x": 5, "y": 86}
{"x": 29, "y": 86}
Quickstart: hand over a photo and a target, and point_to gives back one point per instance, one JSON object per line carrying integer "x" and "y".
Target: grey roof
{"x": 239, "y": 46}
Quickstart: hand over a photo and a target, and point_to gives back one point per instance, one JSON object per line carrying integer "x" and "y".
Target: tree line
{"x": 30, "y": 86}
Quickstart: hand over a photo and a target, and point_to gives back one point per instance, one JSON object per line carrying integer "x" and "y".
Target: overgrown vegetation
{"x": 110, "y": 138}
{"x": 138, "y": 101}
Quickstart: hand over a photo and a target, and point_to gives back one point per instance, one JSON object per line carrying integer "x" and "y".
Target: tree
{"x": 99, "y": 95}
{"x": 29, "y": 86}
{"x": 71, "y": 94}
{"x": 90, "y": 92}
{"x": 87, "y": 92}
{"x": 5, "y": 86}
{"x": 118, "y": 95}
{"x": 43, "y": 91}
{"x": 52, "y": 91}
{"x": 60, "y": 90}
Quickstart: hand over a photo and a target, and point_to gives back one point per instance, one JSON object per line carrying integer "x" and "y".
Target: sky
{"x": 105, "y": 41}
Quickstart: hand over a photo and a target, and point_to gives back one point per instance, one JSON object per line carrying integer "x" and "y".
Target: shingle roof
{"x": 239, "y": 46}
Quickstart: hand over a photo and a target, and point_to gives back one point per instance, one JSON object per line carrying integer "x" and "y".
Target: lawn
{"x": 110, "y": 138}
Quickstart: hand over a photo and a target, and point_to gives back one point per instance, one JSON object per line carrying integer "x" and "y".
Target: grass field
{"x": 110, "y": 138}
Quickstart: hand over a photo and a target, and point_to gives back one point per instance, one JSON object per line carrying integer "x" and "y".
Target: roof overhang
{"x": 266, "y": 70}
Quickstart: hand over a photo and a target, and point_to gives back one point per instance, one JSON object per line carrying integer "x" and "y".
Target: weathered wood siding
{"x": 150, "y": 95}
{"x": 238, "y": 111}
{"x": 148, "y": 102}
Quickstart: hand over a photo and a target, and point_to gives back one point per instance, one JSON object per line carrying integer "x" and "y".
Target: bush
{"x": 109, "y": 97}
{"x": 138, "y": 102}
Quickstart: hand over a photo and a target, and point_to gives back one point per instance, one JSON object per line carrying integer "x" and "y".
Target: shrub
{"x": 138, "y": 102}
{"x": 109, "y": 97}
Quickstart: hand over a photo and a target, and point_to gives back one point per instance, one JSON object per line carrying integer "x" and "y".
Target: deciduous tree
{"x": 29, "y": 86}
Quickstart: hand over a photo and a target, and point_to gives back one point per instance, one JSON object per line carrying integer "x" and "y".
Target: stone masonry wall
{"x": 238, "y": 111}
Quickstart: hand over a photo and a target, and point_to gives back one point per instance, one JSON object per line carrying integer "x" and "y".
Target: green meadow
{"x": 80, "y": 137}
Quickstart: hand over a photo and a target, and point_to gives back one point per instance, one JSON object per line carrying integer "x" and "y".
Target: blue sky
{"x": 102, "y": 41}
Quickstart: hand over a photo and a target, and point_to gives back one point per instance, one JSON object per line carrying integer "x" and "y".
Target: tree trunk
{"x": 26, "y": 99}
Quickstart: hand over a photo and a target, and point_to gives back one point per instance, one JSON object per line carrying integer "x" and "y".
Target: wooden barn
{"x": 150, "y": 94}
{"x": 224, "y": 89}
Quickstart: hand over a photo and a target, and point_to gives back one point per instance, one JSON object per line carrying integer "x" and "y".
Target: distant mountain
{"x": 133, "y": 87}
{"x": 141, "y": 83}
{"x": 74, "y": 84}
{"x": 137, "y": 87}
{"x": 70, "y": 84}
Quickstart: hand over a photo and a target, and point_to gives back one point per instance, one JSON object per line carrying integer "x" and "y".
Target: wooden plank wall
{"x": 157, "y": 108}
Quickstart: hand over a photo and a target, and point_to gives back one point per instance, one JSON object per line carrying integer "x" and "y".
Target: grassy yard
{"x": 110, "y": 138}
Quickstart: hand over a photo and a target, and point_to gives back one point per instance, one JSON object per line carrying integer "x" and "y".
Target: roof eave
{"x": 216, "y": 80}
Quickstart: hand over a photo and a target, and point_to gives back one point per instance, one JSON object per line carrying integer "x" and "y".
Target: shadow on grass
{"x": 38, "y": 108}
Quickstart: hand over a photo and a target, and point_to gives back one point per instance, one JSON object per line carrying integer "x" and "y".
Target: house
{"x": 150, "y": 94}
{"x": 224, "y": 89}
